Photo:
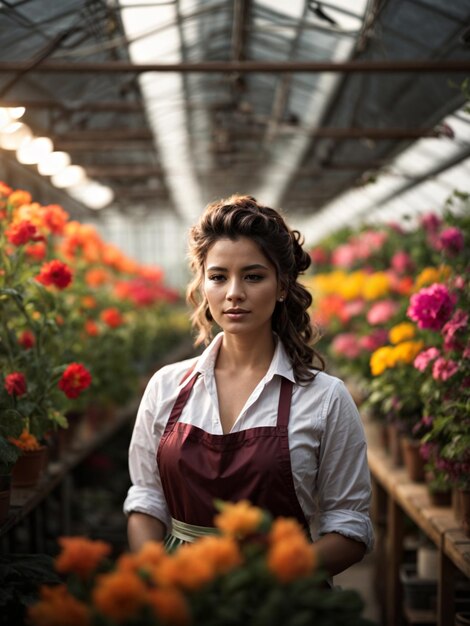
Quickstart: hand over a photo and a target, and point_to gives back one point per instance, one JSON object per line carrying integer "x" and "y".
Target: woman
{"x": 252, "y": 417}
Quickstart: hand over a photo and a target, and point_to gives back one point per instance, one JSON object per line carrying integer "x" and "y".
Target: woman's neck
{"x": 238, "y": 353}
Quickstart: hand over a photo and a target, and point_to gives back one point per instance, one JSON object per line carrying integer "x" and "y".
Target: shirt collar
{"x": 280, "y": 364}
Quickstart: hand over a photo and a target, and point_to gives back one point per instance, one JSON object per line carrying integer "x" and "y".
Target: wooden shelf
{"x": 402, "y": 497}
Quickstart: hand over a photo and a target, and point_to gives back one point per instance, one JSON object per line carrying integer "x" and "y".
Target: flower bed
{"x": 394, "y": 306}
{"x": 80, "y": 321}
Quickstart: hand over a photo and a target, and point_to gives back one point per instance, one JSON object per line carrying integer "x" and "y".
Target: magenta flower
{"x": 451, "y": 240}
{"x": 377, "y": 338}
{"x": 381, "y": 312}
{"x": 430, "y": 222}
{"x": 443, "y": 369}
{"x": 402, "y": 262}
{"x": 423, "y": 359}
{"x": 450, "y": 331}
{"x": 431, "y": 307}
{"x": 346, "y": 344}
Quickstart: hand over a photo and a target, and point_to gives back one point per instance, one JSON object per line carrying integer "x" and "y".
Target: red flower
{"x": 27, "y": 339}
{"x": 36, "y": 250}
{"x": 112, "y": 317}
{"x": 74, "y": 380}
{"x": 55, "y": 273}
{"x": 15, "y": 384}
{"x": 20, "y": 233}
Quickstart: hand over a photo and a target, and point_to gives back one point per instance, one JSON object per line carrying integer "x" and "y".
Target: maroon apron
{"x": 197, "y": 467}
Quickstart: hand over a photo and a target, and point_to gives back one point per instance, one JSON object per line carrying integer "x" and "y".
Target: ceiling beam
{"x": 123, "y": 171}
{"x": 109, "y": 67}
{"x": 103, "y": 106}
{"x": 241, "y": 14}
{"x": 107, "y": 134}
{"x": 115, "y": 145}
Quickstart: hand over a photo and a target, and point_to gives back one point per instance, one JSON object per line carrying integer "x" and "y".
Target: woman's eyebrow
{"x": 254, "y": 266}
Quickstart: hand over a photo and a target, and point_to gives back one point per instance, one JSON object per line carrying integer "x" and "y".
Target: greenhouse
{"x": 234, "y": 313}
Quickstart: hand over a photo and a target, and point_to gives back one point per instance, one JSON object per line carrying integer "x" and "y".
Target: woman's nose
{"x": 235, "y": 290}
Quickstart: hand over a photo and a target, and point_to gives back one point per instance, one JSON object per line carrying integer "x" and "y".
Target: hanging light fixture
{"x": 53, "y": 163}
{"x": 93, "y": 194}
{"x": 14, "y": 135}
{"x": 33, "y": 151}
{"x": 9, "y": 115}
{"x": 69, "y": 177}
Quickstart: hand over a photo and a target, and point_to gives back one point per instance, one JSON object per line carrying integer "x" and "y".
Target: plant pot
{"x": 440, "y": 498}
{"x": 412, "y": 458}
{"x": 462, "y": 619}
{"x": 29, "y": 467}
{"x": 418, "y": 593}
{"x": 465, "y": 510}
{"x": 456, "y": 504}
{"x": 5, "y": 491}
{"x": 395, "y": 445}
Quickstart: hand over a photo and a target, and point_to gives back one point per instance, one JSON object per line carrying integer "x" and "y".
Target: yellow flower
{"x": 431, "y": 275}
{"x": 401, "y": 332}
{"x": 406, "y": 351}
{"x": 376, "y": 285}
{"x": 352, "y": 285}
{"x": 239, "y": 519}
{"x": 381, "y": 360}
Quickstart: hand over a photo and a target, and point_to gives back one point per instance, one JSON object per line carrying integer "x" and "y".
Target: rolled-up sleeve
{"x": 343, "y": 479}
{"x": 146, "y": 493}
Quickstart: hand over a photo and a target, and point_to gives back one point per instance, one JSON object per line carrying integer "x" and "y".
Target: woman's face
{"x": 241, "y": 286}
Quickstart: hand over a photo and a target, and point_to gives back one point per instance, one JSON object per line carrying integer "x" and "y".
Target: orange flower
{"x": 26, "y": 441}
{"x": 36, "y": 251}
{"x": 19, "y": 197}
{"x": 222, "y": 553}
{"x": 80, "y": 555}
{"x": 96, "y": 277}
{"x": 57, "y": 607}
{"x": 185, "y": 569}
{"x": 89, "y": 302}
{"x": 292, "y": 558}
{"x": 120, "y": 595}
{"x": 112, "y": 317}
{"x": 170, "y": 606}
{"x": 5, "y": 190}
{"x": 91, "y": 328}
{"x": 149, "y": 556}
{"x": 285, "y": 528}
{"x": 54, "y": 218}
{"x": 239, "y": 519}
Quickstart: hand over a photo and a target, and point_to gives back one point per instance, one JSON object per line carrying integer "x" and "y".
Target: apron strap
{"x": 181, "y": 399}
{"x": 285, "y": 397}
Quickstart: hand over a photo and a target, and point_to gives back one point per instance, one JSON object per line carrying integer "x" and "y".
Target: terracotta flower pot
{"x": 394, "y": 445}
{"x": 465, "y": 510}
{"x": 29, "y": 467}
{"x": 412, "y": 458}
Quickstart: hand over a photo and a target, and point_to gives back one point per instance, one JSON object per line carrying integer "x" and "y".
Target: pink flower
{"x": 346, "y": 344}
{"x": 353, "y": 308}
{"x": 430, "y": 222}
{"x": 431, "y": 307}
{"x": 377, "y": 338}
{"x": 343, "y": 256}
{"x": 451, "y": 240}
{"x": 443, "y": 369}
{"x": 15, "y": 384}
{"x": 319, "y": 255}
{"x": 402, "y": 262}
{"x": 424, "y": 358}
{"x": 457, "y": 323}
{"x": 466, "y": 352}
{"x": 381, "y": 312}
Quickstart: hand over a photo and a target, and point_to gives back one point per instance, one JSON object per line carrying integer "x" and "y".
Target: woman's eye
{"x": 254, "y": 277}
{"x": 216, "y": 277}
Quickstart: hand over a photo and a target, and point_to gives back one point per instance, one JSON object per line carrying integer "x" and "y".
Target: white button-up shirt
{"x": 326, "y": 440}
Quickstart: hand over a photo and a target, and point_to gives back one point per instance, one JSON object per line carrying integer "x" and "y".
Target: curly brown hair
{"x": 242, "y": 216}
